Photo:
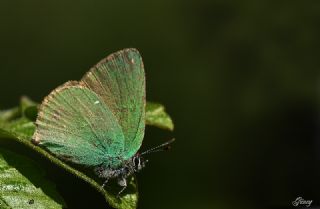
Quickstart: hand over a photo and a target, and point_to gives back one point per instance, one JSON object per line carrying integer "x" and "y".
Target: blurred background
{"x": 240, "y": 79}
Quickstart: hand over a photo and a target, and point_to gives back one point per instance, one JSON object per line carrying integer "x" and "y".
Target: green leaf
{"x": 20, "y": 178}
{"x": 28, "y": 108}
{"x": 157, "y": 116}
{"x": 19, "y": 128}
{"x": 17, "y": 124}
{"x": 6, "y": 115}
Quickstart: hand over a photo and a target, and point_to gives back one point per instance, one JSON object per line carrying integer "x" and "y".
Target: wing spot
{"x": 96, "y": 102}
{"x": 132, "y": 61}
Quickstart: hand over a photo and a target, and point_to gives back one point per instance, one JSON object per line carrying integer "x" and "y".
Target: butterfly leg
{"x": 123, "y": 183}
{"x": 105, "y": 182}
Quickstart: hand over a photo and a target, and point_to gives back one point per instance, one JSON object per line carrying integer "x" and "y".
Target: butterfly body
{"x": 98, "y": 121}
{"x": 129, "y": 167}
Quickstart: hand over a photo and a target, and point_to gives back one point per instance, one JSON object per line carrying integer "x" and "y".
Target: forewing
{"x": 119, "y": 80}
{"x": 75, "y": 125}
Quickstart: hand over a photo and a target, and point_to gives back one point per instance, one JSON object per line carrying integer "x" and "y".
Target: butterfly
{"x": 99, "y": 121}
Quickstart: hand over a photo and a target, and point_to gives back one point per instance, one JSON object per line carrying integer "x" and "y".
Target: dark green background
{"x": 240, "y": 79}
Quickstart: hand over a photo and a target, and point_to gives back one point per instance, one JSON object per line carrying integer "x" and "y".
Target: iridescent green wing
{"x": 119, "y": 80}
{"x": 75, "y": 125}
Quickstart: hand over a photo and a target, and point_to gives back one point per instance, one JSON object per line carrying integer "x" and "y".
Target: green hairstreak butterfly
{"x": 99, "y": 121}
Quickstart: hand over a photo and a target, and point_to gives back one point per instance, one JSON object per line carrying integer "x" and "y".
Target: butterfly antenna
{"x": 162, "y": 147}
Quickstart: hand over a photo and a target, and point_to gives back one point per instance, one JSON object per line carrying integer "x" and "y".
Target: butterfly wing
{"x": 75, "y": 125}
{"x": 120, "y": 81}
